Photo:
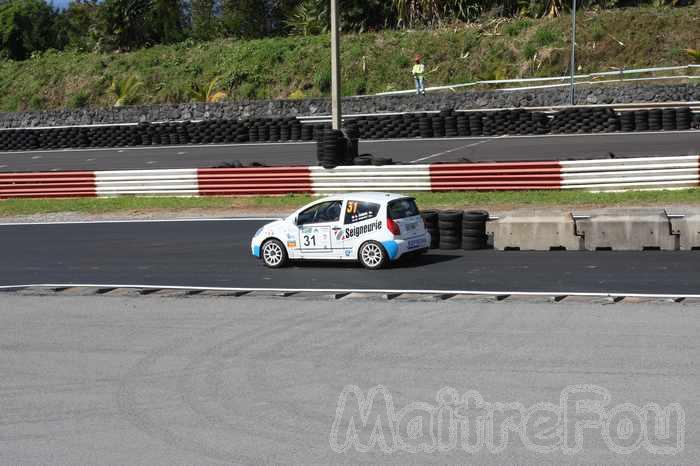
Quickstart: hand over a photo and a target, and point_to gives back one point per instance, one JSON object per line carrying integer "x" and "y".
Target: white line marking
{"x": 450, "y": 151}
{"x": 377, "y": 291}
{"x": 175, "y": 220}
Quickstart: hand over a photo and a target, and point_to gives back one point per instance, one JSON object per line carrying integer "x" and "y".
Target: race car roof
{"x": 365, "y": 196}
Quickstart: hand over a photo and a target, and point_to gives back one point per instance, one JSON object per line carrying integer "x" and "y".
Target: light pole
{"x": 335, "y": 66}
{"x": 573, "y": 54}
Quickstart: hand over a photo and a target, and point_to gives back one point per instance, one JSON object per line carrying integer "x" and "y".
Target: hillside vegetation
{"x": 299, "y": 67}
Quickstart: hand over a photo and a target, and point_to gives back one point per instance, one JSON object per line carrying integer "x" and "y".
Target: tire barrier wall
{"x": 447, "y": 123}
{"x": 591, "y": 175}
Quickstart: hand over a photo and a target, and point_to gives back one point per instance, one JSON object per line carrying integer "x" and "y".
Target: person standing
{"x": 419, "y": 76}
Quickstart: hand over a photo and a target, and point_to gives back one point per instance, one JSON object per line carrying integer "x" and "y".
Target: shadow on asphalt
{"x": 403, "y": 263}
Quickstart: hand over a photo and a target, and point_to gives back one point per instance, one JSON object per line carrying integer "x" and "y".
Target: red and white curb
{"x": 591, "y": 175}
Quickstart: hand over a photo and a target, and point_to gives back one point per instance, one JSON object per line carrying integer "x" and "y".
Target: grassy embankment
{"x": 460, "y": 200}
{"x": 298, "y": 67}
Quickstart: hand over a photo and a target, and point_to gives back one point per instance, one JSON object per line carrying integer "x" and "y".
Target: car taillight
{"x": 393, "y": 226}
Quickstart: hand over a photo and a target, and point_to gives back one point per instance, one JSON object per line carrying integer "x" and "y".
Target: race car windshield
{"x": 403, "y": 208}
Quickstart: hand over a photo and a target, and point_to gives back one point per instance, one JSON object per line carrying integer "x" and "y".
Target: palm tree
{"x": 125, "y": 90}
{"x": 694, "y": 54}
{"x": 207, "y": 93}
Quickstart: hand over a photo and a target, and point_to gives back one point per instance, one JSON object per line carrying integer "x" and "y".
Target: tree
{"x": 166, "y": 21}
{"x": 123, "y": 24}
{"x": 203, "y": 19}
{"x": 77, "y": 25}
{"x": 26, "y": 26}
{"x": 313, "y": 16}
{"x": 244, "y": 18}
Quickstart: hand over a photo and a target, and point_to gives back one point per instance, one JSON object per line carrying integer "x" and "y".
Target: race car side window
{"x": 320, "y": 213}
{"x": 403, "y": 208}
{"x": 359, "y": 211}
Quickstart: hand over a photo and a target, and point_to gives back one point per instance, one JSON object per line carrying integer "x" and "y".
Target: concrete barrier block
{"x": 687, "y": 227}
{"x": 534, "y": 232}
{"x": 626, "y": 230}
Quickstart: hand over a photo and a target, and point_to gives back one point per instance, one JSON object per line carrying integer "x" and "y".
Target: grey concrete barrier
{"x": 626, "y": 230}
{"x": 534, "y": 231}
{"x": 606, "y": 229}
{"x": 687, "y": 228}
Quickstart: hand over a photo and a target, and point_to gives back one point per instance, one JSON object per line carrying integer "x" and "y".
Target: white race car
{"x": 374, "y": 228}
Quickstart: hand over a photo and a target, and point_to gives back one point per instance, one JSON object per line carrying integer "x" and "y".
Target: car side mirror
{"x": 296, "y": 221}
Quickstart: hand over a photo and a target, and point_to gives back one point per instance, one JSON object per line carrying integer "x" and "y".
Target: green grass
{"x": 372, "y": 62}
{"x": 460, "y": 200}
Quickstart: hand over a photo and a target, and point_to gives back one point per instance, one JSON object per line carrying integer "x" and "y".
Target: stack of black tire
{"x": 474, "y": 230}
{"x": 476, "y": 124}
{"x": 450, "y": 228}
{"x": 352, "y": 133}
{"x": 641, "y": 120}
{"x": 332, "y": 149}
{"x": 585, "y": 120}
{"x": 627, "y": 122}
{"x": 684, "y": 119}
{"x": 430, "y": 218}
{"x": 438, "y": 123}
{"x": 516, "y": 122}
{"x": 425, "y": 126}
{"x": 668, "y": 119}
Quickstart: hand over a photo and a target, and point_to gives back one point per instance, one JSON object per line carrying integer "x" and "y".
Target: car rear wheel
{"x": 274, "y": 254}
{"x": 373, "y": 256}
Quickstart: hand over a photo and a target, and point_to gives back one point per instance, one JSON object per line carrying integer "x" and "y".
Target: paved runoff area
{"x": 182, "y": 381}
{"x": 476, "y": 149}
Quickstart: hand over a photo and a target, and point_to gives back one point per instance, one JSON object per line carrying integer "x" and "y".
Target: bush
{"x": 516, "y": 27}
{"x": 79, "y": 100}
{"x": 546, "y": 36}
{"x": 323, "y": 79}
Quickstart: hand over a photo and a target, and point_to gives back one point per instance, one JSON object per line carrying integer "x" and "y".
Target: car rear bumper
{"x": 399, "y": 247}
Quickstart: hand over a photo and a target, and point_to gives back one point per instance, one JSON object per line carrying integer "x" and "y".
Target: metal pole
{"x": 573, "y": 54}
{"x": 335, "y": 66}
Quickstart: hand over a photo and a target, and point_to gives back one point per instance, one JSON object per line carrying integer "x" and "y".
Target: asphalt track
{"x": 216, "y": 254}
{"x": 553, "y": 147}
{"x": 154, "y": 381}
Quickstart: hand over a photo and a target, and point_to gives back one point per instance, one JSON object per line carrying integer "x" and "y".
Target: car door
{"x": 360, "y": 221}
{"x": 316, "y": 229}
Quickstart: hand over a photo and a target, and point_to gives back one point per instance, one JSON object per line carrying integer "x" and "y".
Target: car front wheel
{"x": 372, "y": 255}
{"x": 274, "y": 254}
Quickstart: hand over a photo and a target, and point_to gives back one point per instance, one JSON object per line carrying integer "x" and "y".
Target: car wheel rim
{"x": 372, "y": 255}
{"x": 272, "y": 254}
